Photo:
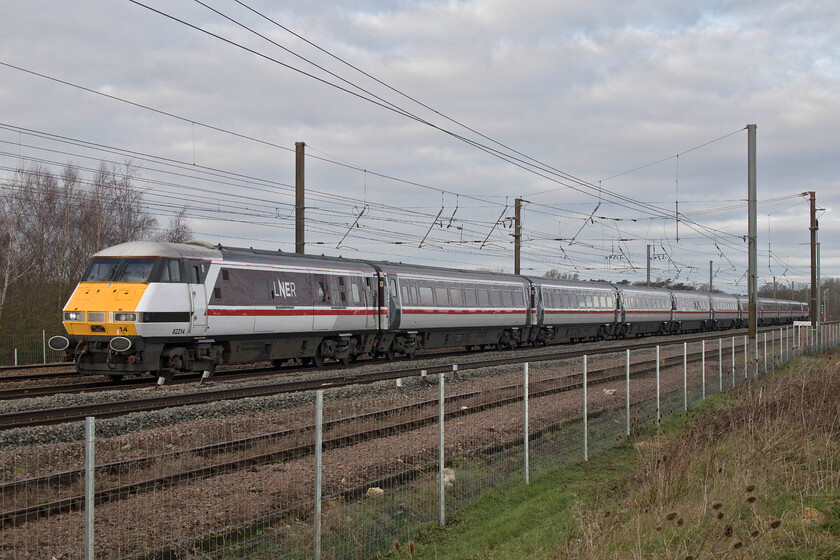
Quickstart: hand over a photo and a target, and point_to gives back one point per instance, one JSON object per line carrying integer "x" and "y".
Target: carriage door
{"x": 537, "y": 303}
{"x": 369, "y": 301}
{"x": 196, "y": 272}
{"x": 394, "y": 308}
{"x": 622, "y": 310}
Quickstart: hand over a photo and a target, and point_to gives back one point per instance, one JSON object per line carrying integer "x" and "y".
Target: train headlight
{"x": 74, "y": 315}
{"x": 125, "y": 317}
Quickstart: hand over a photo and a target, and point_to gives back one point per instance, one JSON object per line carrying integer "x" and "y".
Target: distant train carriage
{"x": 692, "y": 311}
{"x": 767, "y": 312}
{"x": 644, "y": 311}
{"x": 725, "y": 313}
{"x": 436, "y": 308}
{"x": 573, "y": 310}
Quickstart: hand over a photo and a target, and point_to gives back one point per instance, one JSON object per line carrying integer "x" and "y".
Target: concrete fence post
{"x": 527, "y": 439}
{"x": 90, "y": 491}
{"x": 585, "y": 413}
{"x": 441, "y": 454}
{"x": 627, "y": 390}
{"x": 319, "y": 444}
{"x": 658, "y": 412}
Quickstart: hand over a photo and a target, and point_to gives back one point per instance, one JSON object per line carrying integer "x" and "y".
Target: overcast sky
{"x": 600, "y": 115}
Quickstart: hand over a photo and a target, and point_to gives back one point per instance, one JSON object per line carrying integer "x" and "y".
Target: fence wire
{"x": 244, "y": 487}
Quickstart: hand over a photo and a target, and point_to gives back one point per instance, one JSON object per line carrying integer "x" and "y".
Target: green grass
{"x": 751, "y": 474}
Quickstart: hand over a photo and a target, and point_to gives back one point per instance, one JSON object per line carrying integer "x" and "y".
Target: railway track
{"x": 349, "y": 376}
{"x": 298, "y": 442}
{"x": 87, "y": 386}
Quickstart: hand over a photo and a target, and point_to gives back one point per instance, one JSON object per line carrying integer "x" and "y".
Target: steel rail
{"x": 114, "y": 409}
{"x": 544, "y": 387}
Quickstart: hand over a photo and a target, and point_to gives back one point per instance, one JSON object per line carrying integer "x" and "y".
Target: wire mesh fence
{"x": 245, "y": 487}
{"x": 26, "y": 349}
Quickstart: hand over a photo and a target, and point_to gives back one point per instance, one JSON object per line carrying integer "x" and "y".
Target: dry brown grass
{"x": 759, "y": 479}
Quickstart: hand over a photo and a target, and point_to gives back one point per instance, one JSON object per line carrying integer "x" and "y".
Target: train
{"x": 163, "y": 308}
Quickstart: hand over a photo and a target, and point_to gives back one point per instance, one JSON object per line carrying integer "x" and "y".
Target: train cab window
{"x": 101, "y": 270}
{"x": 171, "y": 271}
{"x": 137, "y": 270}
{"x": 470, "y": 298}
{"x": 456, "y": 296}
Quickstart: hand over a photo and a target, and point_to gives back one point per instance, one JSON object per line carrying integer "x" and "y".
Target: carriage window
{"x": 495, "y": 298}
{"x": 483, "y": 298}
{"x": 442, "y": 296}
{"x": 404, "y": 290}
{"x": 470, "y": 297}
{"x": 322, "y": 292}
{"x": 415, "y": 299}
{"x": 565, "y": 301}
{"x": 427, "y": 297}
{"x": 357, "y": 297}
{"x": 507, "y": 299}
{"x": 518, "y": 299}
{"x": 456, "y": 295}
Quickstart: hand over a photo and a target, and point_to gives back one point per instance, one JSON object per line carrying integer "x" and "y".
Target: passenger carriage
{"x": 573, "y": 310}
{"x": 644, "y": 311}
{"x": 434, "y": 308}
{"x": 692, "y": 311}
{"x": 725, "y": 312}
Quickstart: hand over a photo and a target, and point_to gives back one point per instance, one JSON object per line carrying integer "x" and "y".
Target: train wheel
{"x": 391, "y": 354}
{"x": 115, "y": 377}
{"x": 346, "y": 359}
{"x": 276, "y": 364}
{"x": 410, "y": 352}
{"x": 468, "y": 347}
{"x": 318, "y": 358}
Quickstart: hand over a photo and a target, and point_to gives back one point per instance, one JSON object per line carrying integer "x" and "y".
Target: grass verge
{"x": 750, "y": 474}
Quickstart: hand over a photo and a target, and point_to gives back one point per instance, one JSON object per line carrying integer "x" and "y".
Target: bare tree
{"x": 13, "y": 261}
{"x": 178, "y": 230}
{"x": 49, "y": 227}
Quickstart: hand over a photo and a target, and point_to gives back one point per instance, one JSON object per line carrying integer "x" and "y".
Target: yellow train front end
{"x": 103, "y": 309}
{"x": 103, "y": 314}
